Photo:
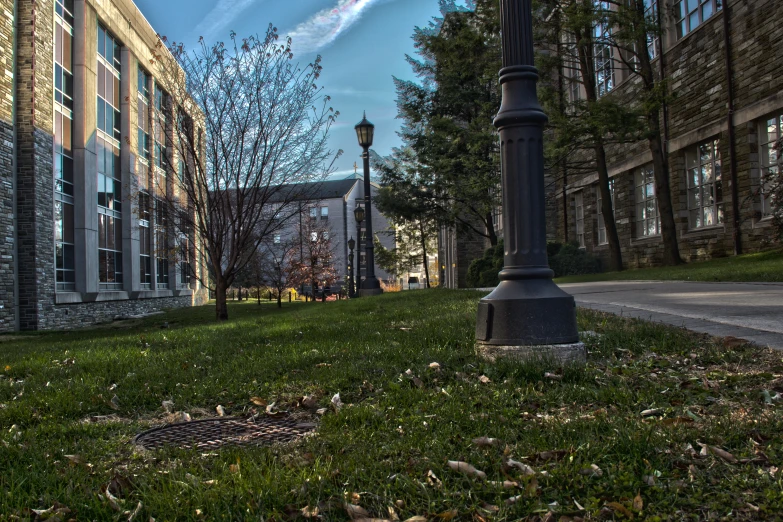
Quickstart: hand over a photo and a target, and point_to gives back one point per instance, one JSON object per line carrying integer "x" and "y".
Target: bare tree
{"x": 314, "y": 263}
{"x": 245, "y": 126}
{"x": 276, "y": 264}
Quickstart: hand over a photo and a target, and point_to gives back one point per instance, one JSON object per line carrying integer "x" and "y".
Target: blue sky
{"x": 362, "y": 46}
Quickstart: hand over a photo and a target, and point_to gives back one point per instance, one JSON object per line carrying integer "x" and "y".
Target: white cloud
{"x": 224, "y": 12}
{"x": 327, "y": 25}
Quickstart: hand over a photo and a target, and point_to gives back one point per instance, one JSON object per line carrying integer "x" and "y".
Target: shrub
{"x": 564, "y": 260}
{"x": 572, "y": 260}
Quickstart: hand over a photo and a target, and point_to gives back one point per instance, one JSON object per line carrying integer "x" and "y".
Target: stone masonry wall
{"x": 88, "y": 314}
{"x": 696, "y": 69}
{"x": 7, "y": 315}
{"x": 7, "y": 276}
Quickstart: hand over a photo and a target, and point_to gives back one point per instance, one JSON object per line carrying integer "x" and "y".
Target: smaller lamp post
{"x": 351, "y": 246}
{"x": 358, "y": 214}
{"x": 365, "y": 132}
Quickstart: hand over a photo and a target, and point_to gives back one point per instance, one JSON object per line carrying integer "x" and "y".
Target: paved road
{"x": 752, "y": 311}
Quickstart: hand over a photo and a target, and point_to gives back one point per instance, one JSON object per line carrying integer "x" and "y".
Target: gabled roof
{"x": 314, "y": 191}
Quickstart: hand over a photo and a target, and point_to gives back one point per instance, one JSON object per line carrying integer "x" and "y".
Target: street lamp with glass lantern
{"x": 351, "y": 246}
{"x": 527, "y": 316}
{"x": 365, "y": 132}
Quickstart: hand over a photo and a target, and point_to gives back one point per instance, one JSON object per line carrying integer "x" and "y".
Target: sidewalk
{"x": 752, "y": 311}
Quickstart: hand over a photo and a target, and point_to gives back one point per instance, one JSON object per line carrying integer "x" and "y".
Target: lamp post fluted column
{"x": 527, "y": 316}
{"x": 371, "y": 285}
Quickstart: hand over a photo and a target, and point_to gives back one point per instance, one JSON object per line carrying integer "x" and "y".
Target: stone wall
{"x": 88, "y": 314}
{"x": 7, "y": 239}
{"x": 7, "y": 276}
{"x": 697, "y": 111}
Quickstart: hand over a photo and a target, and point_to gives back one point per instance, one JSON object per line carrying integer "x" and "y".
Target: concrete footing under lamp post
{"x": 527, "y": 317}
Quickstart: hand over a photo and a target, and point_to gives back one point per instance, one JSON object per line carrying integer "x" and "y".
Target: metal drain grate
{"x": 224, "y": 431}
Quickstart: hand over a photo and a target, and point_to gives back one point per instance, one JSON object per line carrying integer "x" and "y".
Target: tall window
{"x": 161, "y": 119}
{"x": 145, "y": 241}
{"x": 602, "y": 53}
{"x": 651, "y": 17}
{"x": 690, "y": 14}
{"x": 580, "y": 218}
{"x": 324, "y": 212}
{"x": 648, "y": 222}
{"x": 770, "y": 159}
{"x": 602, "y": 239}
{"x": 144, "y": 156}
{"x": 63, "y": 149}
{"x": 108, "y": 152}
{"x": 705, "y": 187}
{"x": 161, "y": 244}
{"x": 313, "y": 212}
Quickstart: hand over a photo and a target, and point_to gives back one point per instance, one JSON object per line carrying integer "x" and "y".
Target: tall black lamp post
{"x": 527, "y": 316}
{"x": 351, "y": 246}
{"x": 371, "y": 285}
{"x": 358, "y": 214}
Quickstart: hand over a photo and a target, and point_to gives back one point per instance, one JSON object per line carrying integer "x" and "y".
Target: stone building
{"x": 79, "y": 108}
{"x": 716, "y": 155}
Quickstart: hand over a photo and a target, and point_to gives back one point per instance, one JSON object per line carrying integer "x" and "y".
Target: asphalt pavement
{"x": 752, "y": 311}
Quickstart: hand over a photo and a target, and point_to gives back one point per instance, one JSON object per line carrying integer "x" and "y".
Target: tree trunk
{"x": 607, "y": 210}
{"x": 221, "y": 306}
{"x": 424, "y": 254}
{"x": 279, "y": 299}
{"x": 493, "y": 237}
{"x": 671, "y": 250}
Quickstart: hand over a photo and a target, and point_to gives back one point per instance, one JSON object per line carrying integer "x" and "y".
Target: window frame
{"x": 764, "y": 159}
{"x": 696, "y": 164}
{"x": 601, "y": 223}
{"x": 646, "y": 225}
{"x": 579, "y": 221}
{"x": 683, "y": 19}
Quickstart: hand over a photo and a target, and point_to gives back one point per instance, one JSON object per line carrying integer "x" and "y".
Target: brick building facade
{"x": 72, "y": 164}
{"x": 696, "y": 130}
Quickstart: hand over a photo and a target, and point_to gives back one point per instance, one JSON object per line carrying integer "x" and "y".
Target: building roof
{"x": 314, "y": 191}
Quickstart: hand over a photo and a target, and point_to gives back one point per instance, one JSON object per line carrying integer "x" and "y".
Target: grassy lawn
{"x": 763, "y": 267}
{"x": 661, "y": 425}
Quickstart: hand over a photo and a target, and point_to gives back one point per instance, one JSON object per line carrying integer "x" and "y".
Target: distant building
{"x": 330, "y": 206}
{"x": 80, "y": 139}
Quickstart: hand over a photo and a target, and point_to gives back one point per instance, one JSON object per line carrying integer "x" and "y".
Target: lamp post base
{"x": 370, "y": 287}
{"x": 573, "y": 354}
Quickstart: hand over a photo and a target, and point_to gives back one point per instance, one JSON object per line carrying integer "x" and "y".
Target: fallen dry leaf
{"x": 483, "y": 442}
{"x": 258, "y": 401}
{"x": 448, "y": 515}
{"x": 113, "y": 501}
{"x": 725, "y": 455}
{"x": 490, "y": 507}
{"x": 638, "y": 503}
{"x": 524, "y": 468}
{"x": 616, "y": 506}
{"x": 417, "y": 518}
{"x": 434, "y": 366}
{"x": 592, "y": 471}
{"x": 505, "y": 484}
{"x": 392, "y": 514}
{"x": 553, "y": 376}
{"x": 513, "y": 500}
{"x": 467, "y": 469}
{"x": 310, "y": 512}
{"x": 337, "y": 403}
{"x": 136, "y": 512}
{"x": 114, "y": 403}
{"x": 309, "y": 402}
{"x": 220, "y": 411}
{"x": 168, "y": 406}
{"x": 652, "y": 413}
{"x": 432, "y": 480}
{"x": 484, "y": 379}
{"x": 355, "y": 512}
